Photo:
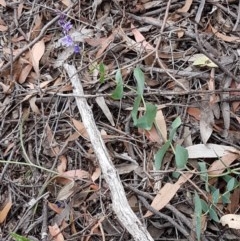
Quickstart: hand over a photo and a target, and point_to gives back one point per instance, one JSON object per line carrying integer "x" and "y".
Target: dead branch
{"x": 119, "y": 200}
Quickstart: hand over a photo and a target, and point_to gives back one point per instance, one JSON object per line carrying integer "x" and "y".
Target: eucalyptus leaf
{"x": 213, "y": 215}
{"x": 146, "y": 121}
{"x": 231, "y": 184}
{"x": 176, "y": 123}
{"x": 158, "y": 157}
{"x": 181, "y": 156}
{"x": 139, "y": 76}
{"x": 118, "y": 92}
{"x": 134, "y": 112}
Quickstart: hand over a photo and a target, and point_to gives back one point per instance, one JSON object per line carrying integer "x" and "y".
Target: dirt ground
{"x": 161, "y": 81}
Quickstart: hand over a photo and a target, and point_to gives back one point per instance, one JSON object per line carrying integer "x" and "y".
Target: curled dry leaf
{"x": 186, "y": 7}
{"x": 225, "y": 37}
{"x": 232, "y": 220}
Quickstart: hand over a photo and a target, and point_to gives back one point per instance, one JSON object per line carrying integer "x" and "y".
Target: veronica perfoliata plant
{"x": 67, "y": 40}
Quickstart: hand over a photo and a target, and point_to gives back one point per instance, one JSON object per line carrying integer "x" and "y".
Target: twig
{"x": 161, "y": 64}
{"x": 153, "y": 210}
{"x": 119, "y": 200}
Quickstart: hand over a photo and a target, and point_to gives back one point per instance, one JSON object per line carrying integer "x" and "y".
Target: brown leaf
{"x": 186, "y": 7}
{"x": 33, "y": 105}
{"x": 37, "y": 53}
{"x": 4, "y": 212}
{"x": 56, "y": 233}
{"x": 67, "y": 3}
{"x": 80, "y": 128}
{"x": 37, "y": 27}
{"x": 104, "y": 45}
{"x": 168, "y": 191}
{"x": 195, "y": 112}
{"x": 206, "y": 124}
{"x": 3, "y": 28}
{"x": 160, "y": 122}
{"x": 66, "y": 191}
{"x": 24, "y": 73}
{"x": 220, "y": 165}
{"x": 3, "y": 3}
{"x": 102, "y": 104}
{"x": 140, "y": 39}
{"x": 225, "y": 37}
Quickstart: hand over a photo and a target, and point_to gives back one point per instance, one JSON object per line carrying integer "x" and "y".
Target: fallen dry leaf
{"x": 102, "y": 104}
{"x": 206, "y": 124}
{"x": 168, "y": 191}
{"x": 36, "y": 54}
{"x": 160, "y": 122}
{"x": 67, "y": 2}
{"x": 3, "y": 3}
{"x": 4, "y": 212}
{"x": 56, "y": 233}
{"x": 225, "y": 38}
{"x": 186, "y": 7}
{"x": 232, "y": 220}
{"x": 80, "y": 128}
{"x": 218, "y": 167}
{"x": 140, "y": 39}
{"x": 209, "y": 151}
{"x": 24, "y": 73}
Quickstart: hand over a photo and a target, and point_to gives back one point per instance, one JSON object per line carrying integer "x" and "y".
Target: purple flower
{"x": 66, "y": 26}
{"x": 67, "y": 41}
{"x": 76, "y": 49}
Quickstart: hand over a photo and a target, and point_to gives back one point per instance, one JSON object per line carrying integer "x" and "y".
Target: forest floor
{"x": 162, "y": 79}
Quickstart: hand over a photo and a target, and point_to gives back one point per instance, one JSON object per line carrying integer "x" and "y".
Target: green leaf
{"x": 158, "y": 158}
{"x": 118, "y": 92}
{"x": 102, "y": 72}
{"x": 181, "y": 156}
{"x": 204, "y": 174}
{"x": 205, "y": 207}
{"x": 213, "y": 215}
{"x": 139, "y": 76}
{"x": 215, "y": 196}
{"x": 176, "y": 123}
{"x": 134, "y": 112}
{"x": 231, "y": 184}
{"x": 198, "y": 215}
{"x": 19, "y": 237}
{"x": 146, "y": 121}
{"x": 226, "y": 198}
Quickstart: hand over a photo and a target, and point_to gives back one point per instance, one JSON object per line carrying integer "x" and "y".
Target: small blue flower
{"x": 67, "y": 41}
{"x": 76, "y": 49}
{"x": 66, "y": 27}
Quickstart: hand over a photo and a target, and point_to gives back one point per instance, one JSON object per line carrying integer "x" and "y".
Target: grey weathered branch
{"x": 119, "y": 201}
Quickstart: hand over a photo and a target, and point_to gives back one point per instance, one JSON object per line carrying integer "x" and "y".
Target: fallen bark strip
{"x": 119, "y": 201}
